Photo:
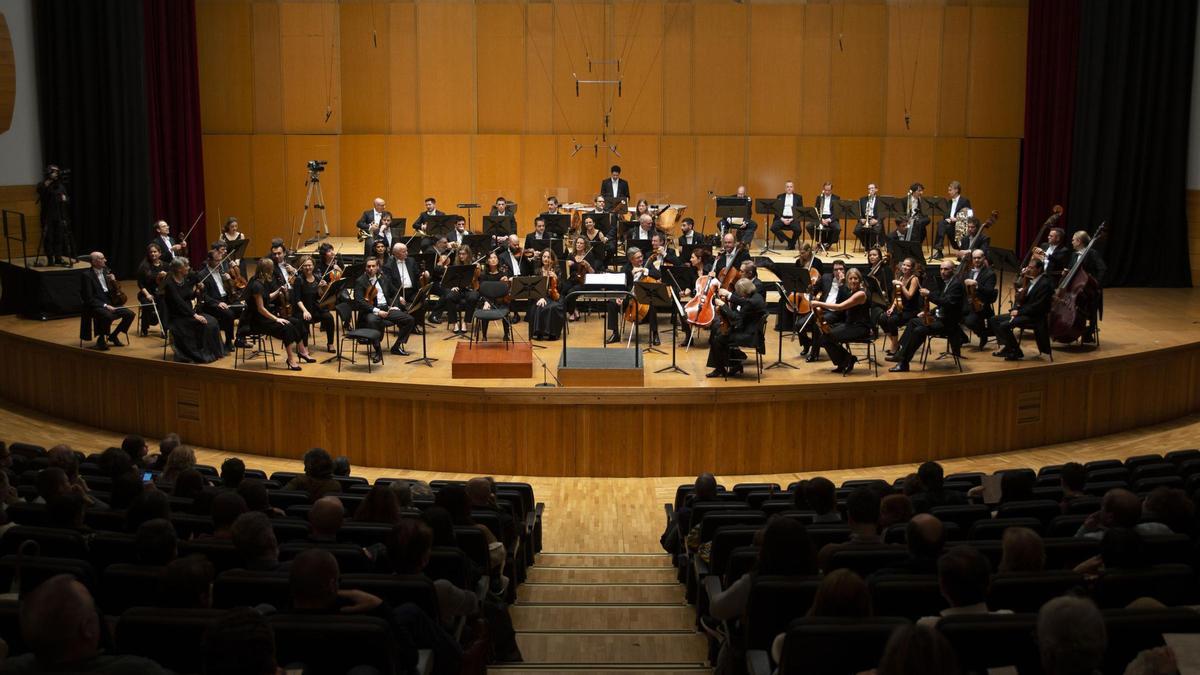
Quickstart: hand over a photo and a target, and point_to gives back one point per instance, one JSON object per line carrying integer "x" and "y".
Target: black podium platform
{"x": 40, "y": 292}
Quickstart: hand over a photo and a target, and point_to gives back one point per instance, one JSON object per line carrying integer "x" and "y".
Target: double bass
{"x": 1076, "y": 297}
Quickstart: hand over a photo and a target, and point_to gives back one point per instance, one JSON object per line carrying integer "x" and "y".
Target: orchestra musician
{"x": 905, "y": 290}
{"x": 615, "y": 189}
{"x": 731, "y": 255}
{"x": 197, "y": 337}
{"x": 688, "y": 236}
{"x": 283, "y": 271}
{"x": 150, "y": 275}
{"x": 1094, "y": 265}
{"x": 971, "y": 240}
{"x": 552, "y": 206}
{"x": 599, "y": 241}
{"x": 606, "y": 222}
{"x": 494, "y": 270}
{"x": 442, "y": 253}
{"x": 945, "y": 228}
{"x": 983, "y": 280}
{"x": 644, "y": 230}
{"x": 832, "y": 290}
{"x": 701, "y": 261}
{"x": 660, "y": 253}
{"x": 915, "y": 220}
{"x": 308, "y": 289}
{"x": 1054, "y": 253}
{"x": 218, "y": 299}
{"x": 422, "y": 221}
{"x": 372, "y": 216}
{"x": 501, "y": 208}
{"x": 743, "y": 228}
{"x": 635, "y": 271}
{"x": 405, "y": 276}
{"x": 855, "y": 309}
{"x": 878, "y": 283}
{"x": 546, "y": 316}
{"x": 642, "y": 208}
{"x": 98, "y": 291}
{"x": 1032, "y": 307}
{"x": 382, "y": 230}
{"x": 459, "y": 234}
{"x": 373, "y": 293}
{"x": 805, "y": 260}
{"x": 539, "y": 233}
{"x": 750, "y": 271}
{"x": 513, "y": 257}
{"x": 161, "y": 233}
{"x": 379, "y": 251}
{"x": 744, "y": 310}
{"x": 461, "y": 301}
{"x": 869, "y": 229}
{"x": 785, "y": 215}
{"x": 326, "y": 264}
{"x": 230, "y": 234}
{"x": 946, "y": 317}
{"x": 830, "y": 227}
{"x": 579, "y": 263}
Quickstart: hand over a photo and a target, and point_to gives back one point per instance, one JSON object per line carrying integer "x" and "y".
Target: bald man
{"x": 96, "y": 291}
{"x": 371, "y": 216}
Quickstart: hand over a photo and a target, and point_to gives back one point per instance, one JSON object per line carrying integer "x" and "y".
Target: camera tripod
{"x": 316, "y": 200}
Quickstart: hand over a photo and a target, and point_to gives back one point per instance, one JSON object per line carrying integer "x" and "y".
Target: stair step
{"x": 687, "y": 649}
{"x": 606, "y": 594}
{"x": 550, "y": 618}
{"x": 603, "y": 560}
{"x": 602, "y": 575}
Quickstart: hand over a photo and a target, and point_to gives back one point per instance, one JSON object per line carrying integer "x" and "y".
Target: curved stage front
{"x": 1146, "y": 370}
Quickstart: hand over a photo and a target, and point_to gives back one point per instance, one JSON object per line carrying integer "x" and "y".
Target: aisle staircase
{"x": 605, "y": 613}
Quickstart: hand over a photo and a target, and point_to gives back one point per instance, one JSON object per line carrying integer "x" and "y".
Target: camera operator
{"x": 56, "y": 233}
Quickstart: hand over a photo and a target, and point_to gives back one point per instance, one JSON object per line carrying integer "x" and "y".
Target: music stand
{"x": 767, "y": 207}
{"x": 469, "y": 206}
{"x": 458, "y": 276}
{"x": 792, "y": 279}
{"x": 440, "y": 226}
{"x": 901, "y": 249}
{"x": 499, "y": 226}
{"x": 478, "y": 243}
{"x": 557, "y": 224}
{"x": 652, "y": 294}
{"x": 1003, "y": 260}
{"x": 418, "y": 306}
{"x": 888, "y": 208}
{"x": 335, "y": 289}
{"x": 938, "y": 208}
{"x": 234, "y": 250}
{"x": 529, "y": 288}
{"x": 805, "y": 215}
{"x": 843, "y": 211}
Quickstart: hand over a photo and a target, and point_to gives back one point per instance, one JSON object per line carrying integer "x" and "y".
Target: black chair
{"x": 474, "y": 544}
{"x": 908, "y": 595}
{"x": 289, "y": 529}
{"x": 994, "y": 528}
{"x": 27, "y": 513}
{"x": 719, "y": 519}
{"x": 1160, "y": 549}
{"x": 359, "y": 337}
{"x": 984, "y": 641}
{"x": 108, "y": 548}
{"x": 1136, "y": 461}
{"x": 743, "y": 489}
{"x": 450, "y": 564}
{"x": 241, "y": 588}
{"x": 1152, "y": 470}
{"x": 870, "y": 355}
{"x": 51, "y": 541}
{"x": 962, "y": 515}
{"x": 33, "y": 570}
{"x": 220, "y": 552}
{"x": 350, "y": 557}
{"x": 724, "y": 542}
{"x": 1067, "y": 552}
{"x": 1171, "y": 584}
{"x": 773, "y": 603}
{"x": 252, "y": 344}
{"x": 1131, "y": 631}
{"x": 173, "y": 638}
{"x": 953, "y": 348}
{"x": 397, "y": 590}
{"x": 282, "y": 499}
{"x": 1100, "y": 488}
{"x": 1044, "y": 510}
{"x": 1028, "y": 591}
{"x": 189, "y": 526}
{"x": 366, "y": 534}
{"x": 759, "y": 348}
{"x": 105, "y": 520}
{"x": 973, "y": 477}
{"x": 741, "y": 561}
{"x": 491, "y": 292}
{"x": 835, "y": 646}
{"x": 1102, "y": 464}
{"x": 773, "y": 506}
{"x": 1147, "y": 484}
{"x": 1065, "y": 526}
{"x": 867, "y": 561}
{"x": 123, "y": 586}
{"x": 1085, "y": 505}
{"x": 333, "y": 643}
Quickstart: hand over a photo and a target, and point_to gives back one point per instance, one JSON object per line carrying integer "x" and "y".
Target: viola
{"x": 801, "y": 301}
{"x": 553, "y": 292}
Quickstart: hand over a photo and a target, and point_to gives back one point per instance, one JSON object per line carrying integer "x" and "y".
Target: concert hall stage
{"x": 1146, "y": 370}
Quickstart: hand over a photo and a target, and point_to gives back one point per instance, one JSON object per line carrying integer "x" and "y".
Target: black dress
{"x": 460, "y": 300}
{"x": 147, "y": 280}
{"x": 857, "y": 326}
{"x": 912, "y": 306}
{"x": 195, "y": 342}
{"x": 310, "y": 295}
{"x": 290, "y": 333}
{"x": 547, "y": 319}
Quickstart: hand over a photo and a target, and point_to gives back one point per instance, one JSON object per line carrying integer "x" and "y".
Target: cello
{"x": 1075, "y": 297}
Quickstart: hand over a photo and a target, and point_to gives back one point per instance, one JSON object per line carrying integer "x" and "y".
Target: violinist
{"x": 264, "y": 297}
{"x": 546, "y": 316}
{"x": 1032, "y": 307}
{"x": 579, "y": 263}
{"x": 283, "y": 272}
{"x": 406, "y": 279}
{"x": 230, "y": 234}
{"x": 832, "y": 290}
{"x": 855, "y": 307}
{"x": 161, "y": 234}
{"x": 1055, "y": 254}
{"x": 1095, "y": 267}
{"x": 945, "y": 320}
{"x": 750, "y": 271}
{"x": 379, "y": 252}
{"x": 642, "y": 208}
{"x": 660, "y": 254}
{"x": 731, "y": 255}
{"x": 99, "y": 290}
{"x": 306, "y": 298}
{"x": 688, "y": 236}
{"x": 813, "y": 267}
{"x": 635, "y": 270}
{"x": 600, "y": 243}
{"x": 744, "y": 310}
{"x": 217, "y": 300}
{"x": 982, "y": 279}
{"x": 150, "y": 275}
{"x": 514, "y": 257}
{"x": 911, "y": 225}
{"x": 326, "y": 265}
{"x": 906, "y": 302}
{"x": 458, "y": 236}
{"x": 878, "y": 283}
{"x": 462, "y": 300}
{"x": 197, "y": 337}
{"x": 973, "y": 239}
{"x": 494, "y": 270}
{"x": 869, "y": 228}
{"x": 373, "y": 293}
{"x": 539, "y": 234}
{"x": 442, "y": 255}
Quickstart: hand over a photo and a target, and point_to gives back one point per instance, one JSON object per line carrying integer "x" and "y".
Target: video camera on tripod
{"x": 316, "y": 200}
{"x": 316, "y": 166}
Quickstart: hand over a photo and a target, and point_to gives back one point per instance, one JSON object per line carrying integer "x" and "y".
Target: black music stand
{"x": 557, "y": 224}
{"x": 792, "y": 279}
{"x": 770, "y": 208}
{"x": 479, "y": 243}
{"x": 531, "y": 289}
{"x": 887, "y": 208}
{"x": 335, "y": 289}
{"x": 805, "y": 215}
{"x": 234, "y": 250}
{"x": 499, "y": 226}
{"x": 901, "y": 249}
{"x": 651, "y": 294}
{"x": 844, "y": 211}
{"x": 673, "y": 276}
{"x": 605, "y": 222}
{"x": 1002, "y": 260}
{"x": 733, "y": 207}
{"x": 418, "y": 306}
{"x": 469, "y": 206}
{"x": 937, "y": 208}
{"x": 439, "y": 226}
{"x": 458, "y": 276}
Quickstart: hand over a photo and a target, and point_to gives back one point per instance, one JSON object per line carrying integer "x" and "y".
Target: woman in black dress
{"x": 493, "y": 270}
{"x": 856, "y": 326}
{"x": 597, "y": 240}
{"x": 580, "y": 262}
{"x": 307, "y": 291}
{"x": 461, "y": 301}
{"x": 908, "y": 284}
{"x": 546, "y": 316}
{"x": 262, "y": 294}
{"x": 150, "y": 275}
{"x": 197, "y": 335}
{"x": 877, "y": 283}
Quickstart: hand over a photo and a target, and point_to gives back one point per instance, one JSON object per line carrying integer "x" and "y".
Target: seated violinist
{"x": 546, "y": 315}
{"x": 742, "y": 312}
{"x": 831, "y": 288}
{"x": 308, "y": 295}
{"x": 1032, "y": 306}
{"x": 373, "y": 299}
{"x": 219, "y": 298}
{"x": 946, "y": 306}
{"x": 731, "y": 256}
{"x": 580, "y": 262}
{"x": 635, "y": 271}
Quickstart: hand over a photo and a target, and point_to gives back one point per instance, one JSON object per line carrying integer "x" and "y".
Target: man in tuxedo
{"x": 372, "y": 216}
{"x": 539, "y": 233}
{"x": 971, "y": 240}
{"x": 983, "y": 280}
{"x": 831, "y": 288}
{"x": 946, "y": 317}
{"x": 501, "y": 208}
{"x": 552, "y": 206}
{"x": 380, "y": 314}
{"x": 422, "y": 221}
{"x": 512, "y": 257}
{"x": 216, "y": 300}
{"x": 745, "y": 310}
{"x": 688, "y": 236}
{"x": 730, "y": 255}
{"x": 161, "y": 235}
{"x": 459, "y": 234}
{"x": 403, "y": 273}
{"x": 870, "y": 227}
{"x": 830, "y": 227}
{"x": 615, "y": 189}
{"x": 95, "y": 291}
{"x": 946, "y": 226}
{"x": 745, "y": 228}
{"x": 643, "y": 231}
{"x": 786, "y": 205}
{"x": 1094, "y": 265}
{"x": 1055, "y": 255}
{"x": 279, "y": 257}
{"x": 660, "y": 254}
{"x": 635, "y": 270}
{"x": 382, "y": 231}
{"x": 1030, "y": 313}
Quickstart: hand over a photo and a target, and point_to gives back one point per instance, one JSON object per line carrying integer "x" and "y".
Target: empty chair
{"x": 1098, "y": 489}
{"x": 1116, "y": 473}
{"x": 1171, "y": 584}
{"x": 1085, "y": 505}
{"x": 242, "y": 588}
{"x": 1053, "y": 493}
{"x": 282, "y": 499}
{"x": 833, "y": 646}
{"x": 992, "y": 549}
{"x": 865, "y": 562}
{"x": 107, "y": 548}
{"x": 962, "y": 515}
{"x": 473, "y": 543}
{"x": 1136, "y": 461}
{"x": 1050, "y": 470}
{"x": 334, "y": 643}
{"x": 1131, "y": 631}
{"x": 773, "y": 603}
{"x": 188, "y": 526}
{"x": 51, "y": 541}
{"x": 450, "y": 564}
{"x": 1147, "y": 484}
{"x": 1102, "y": 464}
{"x": 741, "y": 560}
{"x": 104, "y": 520}
{"x": 288, "y": 529}
{"x": 1153, "y": 470}
{"x": 820, "y": 535}
{"x": 908, "y": 595}
{"x": 994, "y": 528}
{"x": 725, "y": 542}
{"x": 1181, "y": 456}
{"x": 1189, "y": 466}
{"x": 774, "y": 506}
{"x": 366, "y": 534}
{"x": 1028, "y": 591}
{"x": 171, "y": 637}
{"x": 985, "y": 641}
{"x": 743, "y": 489}
{"x": 1160, "y": 549}
{"x": 1042, "y": 509}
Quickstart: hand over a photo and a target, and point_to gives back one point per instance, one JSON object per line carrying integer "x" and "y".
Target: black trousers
{"x": 890, "y": 324}
{"x": 779, "y": 228}
{"x": 225, "y": 319}
{"x": 323, "y": 317}
{"x": 915, "y": 334}
{"x": 832, "y": 341}
{"x": 103, "y": 319}
{"x": 868, "y": 235}
{"x": 403, "y": 321}
{"x": 978, "y": 322}
{"x": 829, "y": 236}
{"x": 944, "y": 230}
{"x": 721, "y": 347}
{"x": 459, "y": 301}
{"x": 1004, "y": 327}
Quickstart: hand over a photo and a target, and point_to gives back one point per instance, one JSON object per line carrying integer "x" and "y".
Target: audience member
{"x": 156, "y": 542}
{"x": 66, "y": 512}
{"x": 317, "y": 480}
{"x": 404, "y": 496}
{"x": 1118, "y": 508}
{"x": 963, "y": 577}
{"x": 148, "y": 505}
{"x": 1071, "y": 636}
{"x": 255, "y": 541}
{"x": 1022, "y": 551}
{"x": 187, "y": 583}
{"x": 933, "y": 493}
{"x": 894, "y": 510}
{"x": 454, "y": 499}
{"x": 226, "y": 507}
{"x": 135, "y": 446}
{"x": 379, "y": 506}
{"x": 439, "y": 521}
{"x": 233, "y": 471}
{"x": 325, "y": 519}
{"x": 1120, "y": 548}
{"x": 189, "y": 485}
{"x": 240, "y": 642}
{"x": 918, "y": 650}
{"x": 125, "y": 488}
{"x": 409, "y": 548}
{"x": 165, "y": 447}
{"x": 842, "y": 593}
{"x": 1017, "y": 486}
{"x": 786, "y": 551}
{"x": 862, "y": 514}
{"x": 1072, "y": 479}
{"x": 50, "y": 483}
{"x": 924, "y": 537}
{"x": 114, "y": 462}
{"x": 341, "y": 466}
{"x": 1171, "y": 507}
{"x": 181, "y": 459}
{"x": 63, "y": 457}
{"x": 255, "y": 495}
{"x": 822, "y": 500}
{"x": 911, "y": 486}
{"x": 703, "y": 489}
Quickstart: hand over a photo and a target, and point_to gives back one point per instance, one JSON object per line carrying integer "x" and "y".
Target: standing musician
{"x": 744, "y": 310}
{"x": 869, "y": 229}
{"x": 197, "y": 337}
{"x": 906, "y": 302}
{"x": 688, "y": 236}
{"x": 832, "y": 290}
{"x": 406, "y": 278}
{"x": 161, "y": 233}
{"x": 421, "y": 222}
{"x": 539, "y": 233}
{"x": 635, "y": 270}
{"x": 742, "y": 228}
{"x": 98, "y": 291}
{"x": 982, "y": 279}
{"x": 373, "y": 293}
{"x": 462, "y": 300}
{"x": 945, "y": 319}
{"x": 382, "y": 230}
{"x": 785, "y": 219}
{"x": 55, "y": 216}
{"x": 946, "y": 226}
{"x": 916, "y": 220}
{"x": 580, "y": 262}
{"x": 615, "y": 189}
{"x": 831, "y": 228}
{"x": 371, "y": 217}
{"x": 856, "y": 326}
{"x": 150, "y": 274}
{"x": 306, "y": 298}
{"x": 731, "y": 255}
{"x": 459, "y": 234}
{"x": 1054, "y": 254}
{"x": 973, "y": 239}
{"x": 218, "y": 298}
{"x": 1032, "y": 307}
{"x": 546, "y": 316}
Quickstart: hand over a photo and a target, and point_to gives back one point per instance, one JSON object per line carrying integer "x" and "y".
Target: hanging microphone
{"x": 328, "y": 113}
{"x": 907, "y": 121}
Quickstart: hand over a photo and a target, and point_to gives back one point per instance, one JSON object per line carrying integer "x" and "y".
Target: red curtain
{"x": 173, "y": 106}
{"x": 1050, "y": 84}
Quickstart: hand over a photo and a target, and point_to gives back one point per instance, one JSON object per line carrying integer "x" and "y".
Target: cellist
{"x": 693, "y": 298}
{"x": 744, "y": 310}
{"x": 1032, "y": 306}
{"x": 731, "y": 256}
{"x": 635, "y": 270}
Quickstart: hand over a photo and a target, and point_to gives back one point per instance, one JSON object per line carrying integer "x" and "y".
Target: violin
{"x": 372, "y": 294}
{"x": 553, "y": 291}
{"x": 801, "y": 300}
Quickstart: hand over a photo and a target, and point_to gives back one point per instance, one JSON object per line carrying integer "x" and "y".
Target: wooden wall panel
{"x": 677, "y": 178}
{"x": 954, "y": 93}
{"x": 638, "y": 33}
{"x": 310, "y": 60}
{"x": 402, "y": 74}
{"x": 365, "y": 61}
{"x": 997, "y": 72}
{"x": 445, "y": 96}
{"x": 817, "y": 81}
{"x": 225, "y": 65}
{"x": 995, "y": 169}
{"x": 267, "y": 71}
{"x": 914, "y": 69}
{"x": 640, "y": 161}
{"x": 578, "y": 36}
{"x": 814, "y": 166}
{"x": 677, "y": 68}
{"x": 776, "y": 73}
{"x": 540, "y": 107}
{"x": 772, "y": 162}
{"x": 858, "y": 74}
{"x": 720, "y": 97}
{"x": 498, "y": 174}
{"x": 448, "y": 171}
{"x": 500, "y": 64}
{"x": 539, "y": 166}
{"x": 272, "y": 214}
{"x": 228, "y": 183}
{"x": 720, "y": 164}
{"x": 404, "y": 189}
{"x": 581, "y": 174}
{"x": 365, "y": 167}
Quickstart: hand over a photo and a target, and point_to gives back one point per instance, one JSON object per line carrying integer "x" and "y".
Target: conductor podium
{"x": 492, "y": 360}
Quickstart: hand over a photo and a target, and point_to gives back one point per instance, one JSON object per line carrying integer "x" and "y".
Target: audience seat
{"x": 190, "y": 526}
{"x": 1028, "y": 591}
{"x": 107, "y": 548}
{"x": 1102, "y": 464}
{"x": 350, "y": 557}
{"x": 51, "y": 541}
{"x": 984, "y": 641}
{"x": 1136, "y": 461}
{"x": 823, "y": 534}
{"x": 720, "y": 519}
{"x": 1171, "y": 585}
{"x": 242, "y": 588}
{"x": 450, "y": 564}
{"x": 282, "y": 499}
{"x": 124, "y": 585}
{"x": 1044, "y": 510}
{"x": 327, "y": 643}
{"x": 908, "y": 595}
{"x": 366, "y": 534}
{"x": 963, "y": 516}
{"x": 1067, "y": 552}
{"x": 289, "y": 529}
{"x": 1085, "y": 505}
{"x": 994, "y": 528}
{"x": 397, "y": 590}
{"x": 1145, "y": 485}
{"x": 773, "y": 603}
{"x": 33, "y": 570}
{"x": 1065, "y": 526}
{"x": 26, "y": 513}
{"x": 741, "y": 561}
{"x": 1099, "y": 489}
{"x": 827, "y": 646}
{"x": 220, "y": 552}
{"x": 105, "y": 520}
{"x": 1160, "y": 549}
{"x": 866, "y": 561}
{"x": 1131, "y": 631}
{"x": 171, "y": 637}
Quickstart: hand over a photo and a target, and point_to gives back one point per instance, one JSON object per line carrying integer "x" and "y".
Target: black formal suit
{"x": 722, "y": 261}
{"x": 522, "y": 267}
{"x": 779, "y": 228}
{"x": 165, "y": 243}
{"x": 211, "y": 302}
{"x": 982, "y": 242}
{"x": 1058, "y": 259}
{"x": 95, "y": 299}
{"x": 611, "y": 199}
{"x": 403, "y": 321}
{"x": 869, "y": 234}
{"x": 946, "y": 303}
{"x": 392, "y": 272}
{"x": 421, "y": 221}
{"x": 985, "y": 290}
{"x": 532, "y": 237}
{"x": 635, "y": 237}
{"x": 745, "y": 317}
{"x": 945, "y": 226}
{"x": 690, "y": 239}
{"x": 915, "y": 231}
{"x": 366, "y": 220}
{"x": 834, "y": 228}
{"x": 456, "y": 237}
{"x": 389, "y": 237}
{"x": 1030, "y": 314}
{"x": 613, "y": 308}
